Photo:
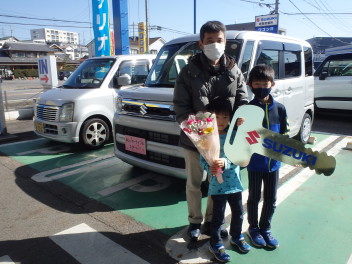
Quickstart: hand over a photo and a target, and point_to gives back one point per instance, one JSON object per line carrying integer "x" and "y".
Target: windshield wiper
{"x": 161, "y": 85}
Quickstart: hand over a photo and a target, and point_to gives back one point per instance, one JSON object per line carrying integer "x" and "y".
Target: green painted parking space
{"x": 305, "y": 223}
{"x": 313, "y": 224}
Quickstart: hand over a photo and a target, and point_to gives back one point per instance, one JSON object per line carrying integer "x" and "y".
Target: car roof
{"x": 127, "y": 56}
{"x": 242, "y": 34}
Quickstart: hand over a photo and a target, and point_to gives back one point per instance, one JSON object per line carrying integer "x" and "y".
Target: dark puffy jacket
{"x": 275, "y": 119}
{"x": 198, "y": 83}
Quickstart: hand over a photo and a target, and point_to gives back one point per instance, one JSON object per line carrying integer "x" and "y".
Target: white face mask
{"x": 214, "y": 51}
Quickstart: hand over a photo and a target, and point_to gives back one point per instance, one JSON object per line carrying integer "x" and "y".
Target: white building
{"x": 55, "y": 35}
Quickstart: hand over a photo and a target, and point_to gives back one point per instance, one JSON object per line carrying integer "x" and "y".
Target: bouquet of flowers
{"x": 202, "y": 130}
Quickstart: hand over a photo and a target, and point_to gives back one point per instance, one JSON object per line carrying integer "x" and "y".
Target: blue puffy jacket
{"x": 275, "y": 119}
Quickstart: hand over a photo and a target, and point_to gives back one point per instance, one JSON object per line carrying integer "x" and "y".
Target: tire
{"x": 305, "y": 130}
{"x": 95, "y": 133}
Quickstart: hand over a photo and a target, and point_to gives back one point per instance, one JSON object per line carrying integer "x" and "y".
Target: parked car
{"x": 82, "y": 109}
{"x": 63, "y": 75}
{"x": 146, "y": 131}
{"x": 333, "y": 83}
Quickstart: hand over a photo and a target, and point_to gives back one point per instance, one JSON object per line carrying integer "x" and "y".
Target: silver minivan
{"x": 82, "y": 109}
{"x": 145, "y": 130}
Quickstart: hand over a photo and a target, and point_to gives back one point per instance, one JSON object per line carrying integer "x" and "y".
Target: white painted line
{"x": 176, "y": 246}
{"x": 22, "y": 142}
{"x": 88, "y": 246}
{"x": 44, "y": 176}
{"x": 6, "y": 260}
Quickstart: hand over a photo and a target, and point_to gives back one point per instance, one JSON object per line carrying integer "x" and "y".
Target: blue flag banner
{"x": 101, "y": 27}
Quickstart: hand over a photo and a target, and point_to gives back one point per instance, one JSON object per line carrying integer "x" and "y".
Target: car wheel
{"x": 95, "y": 133}
{"x": 306, "y": 128}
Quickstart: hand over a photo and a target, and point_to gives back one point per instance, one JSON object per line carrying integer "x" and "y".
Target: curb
{"x": 20, "y": 114}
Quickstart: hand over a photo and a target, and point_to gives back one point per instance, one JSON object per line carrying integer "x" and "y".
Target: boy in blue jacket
{"x": 263, "y": 170}
{"x": 229, "y": 191}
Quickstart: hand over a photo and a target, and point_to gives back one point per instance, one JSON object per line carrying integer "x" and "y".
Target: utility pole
{"x": 195, "y": 16}
{"x": 146, "y": 26}
{"x": 276, "y": 6}
{"x": 3, "y": 130}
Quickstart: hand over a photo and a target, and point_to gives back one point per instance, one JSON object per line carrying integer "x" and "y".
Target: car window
{"x": 137, "y": 69}
{"x": 271, "y": 58}
{"x": 338, "y": 68}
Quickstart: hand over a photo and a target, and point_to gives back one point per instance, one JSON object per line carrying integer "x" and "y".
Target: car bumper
{"x": 62, "y": 132}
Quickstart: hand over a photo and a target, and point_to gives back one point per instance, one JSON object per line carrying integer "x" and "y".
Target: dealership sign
{"x": 267, "y": 23}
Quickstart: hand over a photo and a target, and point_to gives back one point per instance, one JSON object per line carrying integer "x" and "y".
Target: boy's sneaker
{"x": 241, "y": 244}
{"x": 269, "y": 239}
{"x": 256, "y": 237}
{"x": 219, "y": 253}
{"x": 206, "y": 230}
{"x": 193, "y": 231}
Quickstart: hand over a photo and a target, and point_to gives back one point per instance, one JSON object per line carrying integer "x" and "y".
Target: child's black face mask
{"x": 261, "y": 93}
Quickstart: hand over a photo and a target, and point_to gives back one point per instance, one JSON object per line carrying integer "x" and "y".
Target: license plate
{"x": 39, "y": 126}
{"x": 135, "y": 144}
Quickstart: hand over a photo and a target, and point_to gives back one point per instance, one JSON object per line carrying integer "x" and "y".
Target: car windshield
{"x": 172, "y": 58}
{"x": 90, "y": 74}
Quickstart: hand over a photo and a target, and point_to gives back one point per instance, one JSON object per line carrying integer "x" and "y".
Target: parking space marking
{"x": 161, "y": 183}
{"x": 6, "y": 260}
{"x": 88, "y": 246}
{"x": 177, "y": 246}
{"x": 76, "y": 168}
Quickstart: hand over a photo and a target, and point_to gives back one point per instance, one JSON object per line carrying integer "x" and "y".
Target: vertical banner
{"x": 121, "y": 33}
{"x": 141, "y": 38}
{"x": 101, "y": 27}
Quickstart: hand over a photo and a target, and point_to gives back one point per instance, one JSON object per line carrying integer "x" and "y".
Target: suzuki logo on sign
{"x": 253, "y": 135}
{"x": 47, "y": 71}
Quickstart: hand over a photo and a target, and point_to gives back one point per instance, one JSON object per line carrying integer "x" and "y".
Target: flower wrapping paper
{"x": 202, "y": 130}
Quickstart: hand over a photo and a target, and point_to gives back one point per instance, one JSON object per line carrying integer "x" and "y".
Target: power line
{"x": 316, "y": 24}
{"x": 46, "y": 19}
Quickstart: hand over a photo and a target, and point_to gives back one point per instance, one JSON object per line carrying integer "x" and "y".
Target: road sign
{"x": 47, "y": 71}
{"x": 267, "y": 23}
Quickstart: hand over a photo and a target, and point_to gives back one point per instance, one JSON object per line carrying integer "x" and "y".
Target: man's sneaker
{"x": 219, "y": 253}
{"x": 269, "y": 239}
{"x": 256, "y": 237}
{"x": 193, "y": 231}
{"x": 206, "y": 230}
{"x": 241, "y": 244}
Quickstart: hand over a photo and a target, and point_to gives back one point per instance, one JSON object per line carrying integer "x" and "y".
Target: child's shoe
{"x": 219, "y": 253}
{"x": 256, "y": 237}
{"x": 241, "y": 244}
{"x": 269, "y": 239}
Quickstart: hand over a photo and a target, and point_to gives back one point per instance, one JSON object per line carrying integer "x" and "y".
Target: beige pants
{"x": 194, "y": 174}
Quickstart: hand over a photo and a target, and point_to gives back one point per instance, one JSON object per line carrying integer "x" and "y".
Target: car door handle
{"x": 288, "y": 91}
{"x": 276, "y": 93}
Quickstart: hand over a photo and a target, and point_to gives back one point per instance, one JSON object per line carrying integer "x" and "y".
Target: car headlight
{"x": 119, "y": 104}
{"x": 66, "y": 113}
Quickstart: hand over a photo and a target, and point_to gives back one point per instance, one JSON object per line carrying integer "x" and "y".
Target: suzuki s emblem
{"x": 143, "y": 109}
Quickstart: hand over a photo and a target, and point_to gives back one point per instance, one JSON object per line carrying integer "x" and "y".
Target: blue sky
{"x": 178, "y": 16}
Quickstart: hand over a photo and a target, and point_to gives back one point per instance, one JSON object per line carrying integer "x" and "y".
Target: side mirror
{"x": 123, "y": 80}
{"x": 323, "y": 75}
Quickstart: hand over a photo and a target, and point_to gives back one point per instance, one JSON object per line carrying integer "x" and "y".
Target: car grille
{"x": 151, "y": 156}
{"x": 47, "y": 113}
{"x": 159, "y": 158}
{"x": 148, "y": 110}
{"x": 148, "y": 135}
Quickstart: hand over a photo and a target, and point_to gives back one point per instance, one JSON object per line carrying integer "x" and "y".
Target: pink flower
{"x": 209, "y": 119}
{"x": 186, "y": 129}
{"x": 190, "y": 122}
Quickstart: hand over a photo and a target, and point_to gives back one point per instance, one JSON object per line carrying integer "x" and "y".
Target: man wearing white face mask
{"x": 208, "y": 74}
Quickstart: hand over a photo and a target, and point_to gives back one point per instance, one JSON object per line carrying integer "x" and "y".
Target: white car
{"x": 333, "y": 83}
{"x": 82, "y": 109}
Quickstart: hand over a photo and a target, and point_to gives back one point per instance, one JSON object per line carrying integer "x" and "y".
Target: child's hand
{"x": 219, "y": 163}
{"x": 240, "y": 121}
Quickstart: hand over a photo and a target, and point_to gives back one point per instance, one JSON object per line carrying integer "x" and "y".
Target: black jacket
{"x": 198, "y": 83}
